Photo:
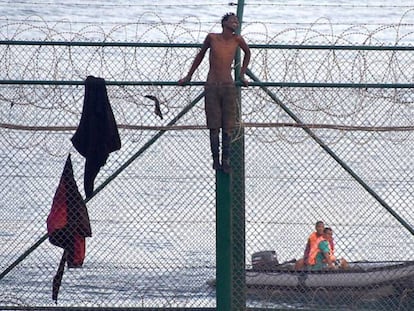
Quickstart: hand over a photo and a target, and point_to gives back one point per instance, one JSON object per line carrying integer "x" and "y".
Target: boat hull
{"x": 358, "y": 275}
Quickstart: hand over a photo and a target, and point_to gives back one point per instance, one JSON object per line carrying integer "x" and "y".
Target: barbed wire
{"x": 56, "y": 108}
{"x": 145, "y": 25}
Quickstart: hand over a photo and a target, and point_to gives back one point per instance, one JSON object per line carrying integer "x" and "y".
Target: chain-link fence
{"x": 326, "y": 134}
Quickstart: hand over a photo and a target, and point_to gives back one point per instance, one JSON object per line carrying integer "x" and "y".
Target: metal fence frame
{"x": 231, "y": 261}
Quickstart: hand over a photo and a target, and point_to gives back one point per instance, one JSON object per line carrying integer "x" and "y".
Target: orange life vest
{"x": 314, "y": 241}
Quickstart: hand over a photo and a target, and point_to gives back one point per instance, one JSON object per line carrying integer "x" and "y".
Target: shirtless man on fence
{"x": 220, "y": 90}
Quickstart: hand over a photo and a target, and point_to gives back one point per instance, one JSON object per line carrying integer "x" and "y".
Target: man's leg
{"x": 225, "y": 157}
{"x": 229, "y": 114}
{"x": 214, "y": 144}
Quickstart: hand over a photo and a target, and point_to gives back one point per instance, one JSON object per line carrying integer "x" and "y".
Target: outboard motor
{"x": 264, "y": 260}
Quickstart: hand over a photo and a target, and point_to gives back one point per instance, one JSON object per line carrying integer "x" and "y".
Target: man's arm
{"x": 197, "y": 61}
{"x": 324, "y": 247}
{"x": 328, "y": 260}
{"x": 246, "y": 59}
{"x": 306, "y": 253}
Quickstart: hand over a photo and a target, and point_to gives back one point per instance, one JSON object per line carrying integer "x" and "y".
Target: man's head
{"x": 328, "y": 233}
{"x": 319, "y": 226}
{"x": 230, "y": 20}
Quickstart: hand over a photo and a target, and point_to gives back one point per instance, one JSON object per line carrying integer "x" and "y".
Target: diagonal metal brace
{"x": 109, "y": 179}
{"x": 333, "y": 155}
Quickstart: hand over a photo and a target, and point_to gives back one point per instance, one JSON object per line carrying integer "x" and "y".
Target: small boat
{"x": 371, "y": 279}
{"x": 267, "y": 272}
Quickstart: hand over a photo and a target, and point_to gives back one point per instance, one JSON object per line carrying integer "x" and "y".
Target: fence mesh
{"x": 312, "y": 152}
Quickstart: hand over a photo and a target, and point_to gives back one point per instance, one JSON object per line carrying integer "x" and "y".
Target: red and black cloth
{"x": 96, "y": 136}
{"x": 68, "y": 223}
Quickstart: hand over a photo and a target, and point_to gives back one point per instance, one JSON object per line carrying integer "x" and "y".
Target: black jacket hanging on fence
{"x": 97, "y": 134}
{"x": 68, "y": 224}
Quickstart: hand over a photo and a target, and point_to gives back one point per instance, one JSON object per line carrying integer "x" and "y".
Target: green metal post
{"x": 230, "y": 224}
{"x": 238, "y": 195}
{"x": 238, "y": 224}
{"x": 223, "y": 242}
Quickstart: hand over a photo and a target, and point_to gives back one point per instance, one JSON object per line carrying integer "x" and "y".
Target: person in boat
{"x": 323, "y": 259}
{"x": 342, "y": 263}
{"x": 220, "y": 89}
{"x": 311, "y": 248}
